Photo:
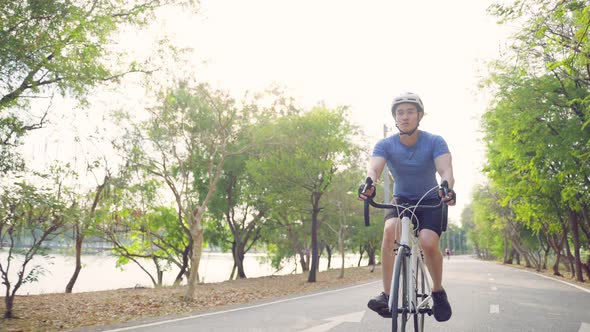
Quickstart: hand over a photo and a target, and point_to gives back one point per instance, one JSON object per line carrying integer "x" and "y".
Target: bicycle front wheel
{"x": 420, "y": 288}
{"x": 400, "y": 308}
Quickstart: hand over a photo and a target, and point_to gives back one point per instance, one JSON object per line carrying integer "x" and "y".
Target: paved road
{"x": 485, "y": 297}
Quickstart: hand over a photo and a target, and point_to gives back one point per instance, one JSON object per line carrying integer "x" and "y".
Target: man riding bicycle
{"x": 413, "y": 157}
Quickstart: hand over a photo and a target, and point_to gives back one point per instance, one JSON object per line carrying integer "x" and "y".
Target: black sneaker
{"x": 441, "y": 308}
{"x": 380, "y": 304}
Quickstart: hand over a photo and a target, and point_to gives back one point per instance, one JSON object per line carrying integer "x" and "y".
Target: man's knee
{"x": 390, "y": 232}
{"x": 429, "y": 241}
{"x": 391, "y": 226}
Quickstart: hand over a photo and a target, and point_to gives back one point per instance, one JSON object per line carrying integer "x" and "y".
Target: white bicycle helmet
{"x": 407, "y": 97}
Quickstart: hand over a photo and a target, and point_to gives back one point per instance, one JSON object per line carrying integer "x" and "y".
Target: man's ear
{"x": 420, "y": 116}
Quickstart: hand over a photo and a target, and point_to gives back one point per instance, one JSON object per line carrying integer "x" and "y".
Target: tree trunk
{"x": 506, "y": 250}
{"x": 557, "y": 244}
{"x": 585, "y": 222}
{"x": 556, "y": 266}
{"x": 79, "y": 235}
{"x": 185, "y": 260}
{"x": 79, "y": 240}
{"x": 304, "y": 260}
{"x": 297, "y": 247}
{"x": 515, "y": 238}
{"x": 341, "y": 248}
{"x": 9, "y": 302}
{"x": 233, "y": 272}
{"x": 361, "y": 252}
{"x": 197, "y": 237}
{"x": 315, "y": 200}
{"x": 160, "y": 278}
{"x": 520, "y": 252}
{"x": 478, "y": 251}
{"x": 546, "y": 257}
{"x": 159, "y": 272}
{"x": 576, "y": 238}
{"x": 570, "y": 260}
{"x": 541, "y": 254}
{"x": 329, "y": 252}
{"x": 511, "y": 256}
{"x": 238, "y": 253}
{"x": 372, "y": 253}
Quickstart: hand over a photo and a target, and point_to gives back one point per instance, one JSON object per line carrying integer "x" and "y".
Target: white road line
{"x": 558, "y": 280}
{"x": 494, "y": 288}
{"x": 494, "y": 308}
{"x": 584, "y": 328}
{"x": 491, "y": 279}
{"x": 355, "y": 317}
{"x": 135, "y": 327}
{"x": 323, "y": 328}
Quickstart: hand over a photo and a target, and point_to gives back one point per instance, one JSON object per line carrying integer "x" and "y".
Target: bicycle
{"x": 410, "y": 292}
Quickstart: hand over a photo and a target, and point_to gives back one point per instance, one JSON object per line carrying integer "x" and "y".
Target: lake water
{"x": 99, "y": 272}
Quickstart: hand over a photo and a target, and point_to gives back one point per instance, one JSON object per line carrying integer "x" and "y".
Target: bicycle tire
{"x": 420, "y": 288}
{"x": 400, "y": 305}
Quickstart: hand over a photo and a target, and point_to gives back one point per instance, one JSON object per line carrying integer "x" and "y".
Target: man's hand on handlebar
{"x": 367, "y": 189}
{"x": 446, "y": 194}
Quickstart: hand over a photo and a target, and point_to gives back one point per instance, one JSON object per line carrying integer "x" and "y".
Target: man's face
{"x": 407, "y": 116}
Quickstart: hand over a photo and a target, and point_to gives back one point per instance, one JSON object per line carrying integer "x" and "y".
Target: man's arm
{"x": 374, "y": 170}
{"x": 444, "y": 168}
{"x": 375, "y": 167}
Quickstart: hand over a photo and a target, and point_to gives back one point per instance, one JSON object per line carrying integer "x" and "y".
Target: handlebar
{"x": 406, "y": 206}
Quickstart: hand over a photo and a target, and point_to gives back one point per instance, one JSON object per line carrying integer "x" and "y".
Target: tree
{"x": 544, "y": 92}
{"x": 242, "y": 210}
{"x": 35, "y": 212}
{"x": 59, "y": 46}
{"x": 341, "y": 212}
{"x": 185, "y": 144}
{"x": 307, "y": 152}
{"x": 83, "y": 226}
{"x": 535, "y": 157}
{"x": 147, "y": 236}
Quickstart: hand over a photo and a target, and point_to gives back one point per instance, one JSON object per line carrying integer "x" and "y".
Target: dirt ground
{"x": 55, "y": 312}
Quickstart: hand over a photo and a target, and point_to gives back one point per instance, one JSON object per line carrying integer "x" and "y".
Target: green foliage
{"x": 343, "y": 210}
{"x": 153, "y": 234}
{"x": 32, "y": 211}
{"x": 59, "y": 46}
{"x": 184, "y": 145}
{"x": 298, "y": 158}
{"x": 486, "y": 226}
{"x": 536, "y": 130}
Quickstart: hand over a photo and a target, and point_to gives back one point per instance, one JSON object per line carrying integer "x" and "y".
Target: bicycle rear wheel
{"x": 420, "y": 288}
{"x": 400, "y": 308}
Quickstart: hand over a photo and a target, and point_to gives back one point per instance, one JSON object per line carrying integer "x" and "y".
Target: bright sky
{"x": 355, "y": 53}
{"x": 361, "y": 54}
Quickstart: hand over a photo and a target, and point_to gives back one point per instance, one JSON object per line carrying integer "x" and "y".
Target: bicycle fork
{"x": 405, "y": 242}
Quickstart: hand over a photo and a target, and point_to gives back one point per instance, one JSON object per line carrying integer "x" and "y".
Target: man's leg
{"x": 379, "y": 303}
{"x": 390, "y": 236}
{"x": 434, "y": 261}
{"x": 433, "y": 257}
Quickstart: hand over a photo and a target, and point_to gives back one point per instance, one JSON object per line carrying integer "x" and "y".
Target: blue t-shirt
{"x": 412, "y": 167}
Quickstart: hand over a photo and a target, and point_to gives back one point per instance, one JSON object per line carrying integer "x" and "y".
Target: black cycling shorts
{"x": 433, "y": 219}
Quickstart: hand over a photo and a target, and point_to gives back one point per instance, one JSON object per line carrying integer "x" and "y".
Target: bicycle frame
{"x": 416, "y": 260}
{"x": 417, "y": 290}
